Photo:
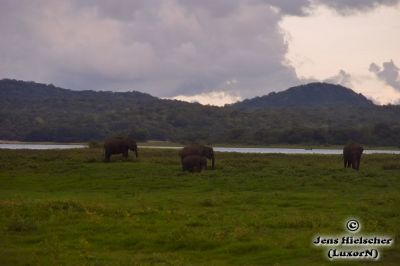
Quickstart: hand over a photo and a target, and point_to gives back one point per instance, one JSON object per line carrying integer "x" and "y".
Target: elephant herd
{"x": 194, "y": 157}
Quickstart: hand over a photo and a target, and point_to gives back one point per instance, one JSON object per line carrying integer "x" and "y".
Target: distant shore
{"x": 41, "y": 142}
{"x": 156, "y": 143}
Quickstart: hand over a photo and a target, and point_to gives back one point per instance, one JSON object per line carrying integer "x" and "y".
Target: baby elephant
{"x": 194, "y": 163}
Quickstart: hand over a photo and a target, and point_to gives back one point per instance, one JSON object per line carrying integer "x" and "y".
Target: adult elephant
{"x": 194, "y": 163}
{"x": 200, "y": 150}
{"x": 119, "y": 145}
{"x": 352, "y": 155}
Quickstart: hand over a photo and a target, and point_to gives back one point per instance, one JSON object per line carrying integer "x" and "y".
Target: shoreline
{"x": 172, "y": 145}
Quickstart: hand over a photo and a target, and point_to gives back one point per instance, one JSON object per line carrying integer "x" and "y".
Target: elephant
{"x": 119, "y": 145}
{"x": 197, "y": 149}
{"x": 352, "y": 155}
{"x": 194, "y": 163}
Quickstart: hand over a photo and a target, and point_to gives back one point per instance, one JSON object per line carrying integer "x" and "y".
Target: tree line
{"x": 38, "y": 112}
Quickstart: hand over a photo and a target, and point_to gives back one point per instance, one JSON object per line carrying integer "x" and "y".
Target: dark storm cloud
{"x": 304, "y": 7}
{"x": 165, "y": 48}
{"x": 290, "y": 7}
{"x": 350, "y": 6}
{"x": 389, "y": 73}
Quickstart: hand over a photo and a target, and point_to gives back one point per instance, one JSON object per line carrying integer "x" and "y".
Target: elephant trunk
{"x": 136, "y": 153}
{"x": 212, "y": 162}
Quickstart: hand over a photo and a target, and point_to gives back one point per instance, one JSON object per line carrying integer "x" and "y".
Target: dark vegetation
{"x": 310, "y": 95}
{"x": 316, "y": 113}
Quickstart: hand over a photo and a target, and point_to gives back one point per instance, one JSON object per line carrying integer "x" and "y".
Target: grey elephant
{"x": 200, "y": 150}
{"x": 352, "y": 155}
{"x": 194, "y": 163}
{"x": 119, "y": 145}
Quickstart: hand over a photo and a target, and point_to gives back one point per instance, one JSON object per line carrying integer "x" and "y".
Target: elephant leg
{"x": 358, "y": 165}
{"x": 353, "y": 164}
{"x": 107, "y": 157}
{"x": 194, "y": 167}
{"x": 125, "y": 154}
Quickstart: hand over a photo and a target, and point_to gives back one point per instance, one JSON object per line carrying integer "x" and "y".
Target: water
{"x": 281, "y": 150}
{"x": 33, "y": 146}
{"x": 297, "y": 151}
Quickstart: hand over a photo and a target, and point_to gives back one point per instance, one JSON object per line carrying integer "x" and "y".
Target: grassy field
{"x": 289, "y": 146}
{"x": 69, "y": 208}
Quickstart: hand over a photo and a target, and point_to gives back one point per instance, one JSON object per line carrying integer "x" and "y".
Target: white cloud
{"x": 342, "y": 78}
{"x": 217, "y": 98}
{"x": 326, "y": 41}
{"x": 389, "y": 73}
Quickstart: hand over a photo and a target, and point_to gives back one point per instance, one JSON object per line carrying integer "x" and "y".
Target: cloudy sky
{"x": 212, "y": 51}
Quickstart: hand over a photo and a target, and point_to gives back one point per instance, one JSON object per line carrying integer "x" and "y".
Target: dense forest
{"x": 309, "y": 95}
{"x": 38, "y": 112}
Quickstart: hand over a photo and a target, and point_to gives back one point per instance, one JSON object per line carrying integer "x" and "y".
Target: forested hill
{"x": 309, "y": 95}
{"x": 38, "y": 112}
{"x": 16, "y": 91}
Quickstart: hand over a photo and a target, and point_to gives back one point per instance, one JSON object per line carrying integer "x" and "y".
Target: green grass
{"x": 289, "y": 146}
{"x": 69, "y": 208}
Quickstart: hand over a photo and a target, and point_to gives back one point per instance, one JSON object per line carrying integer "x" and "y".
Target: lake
{"x": 41, "y": 146}
{"x": 33, "y": 146}
{"x": 297, "y": 151}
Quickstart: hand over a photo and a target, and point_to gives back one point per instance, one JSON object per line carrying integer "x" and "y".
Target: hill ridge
{"x": 37, "y": 112}
{"x": 307, "y": 95}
